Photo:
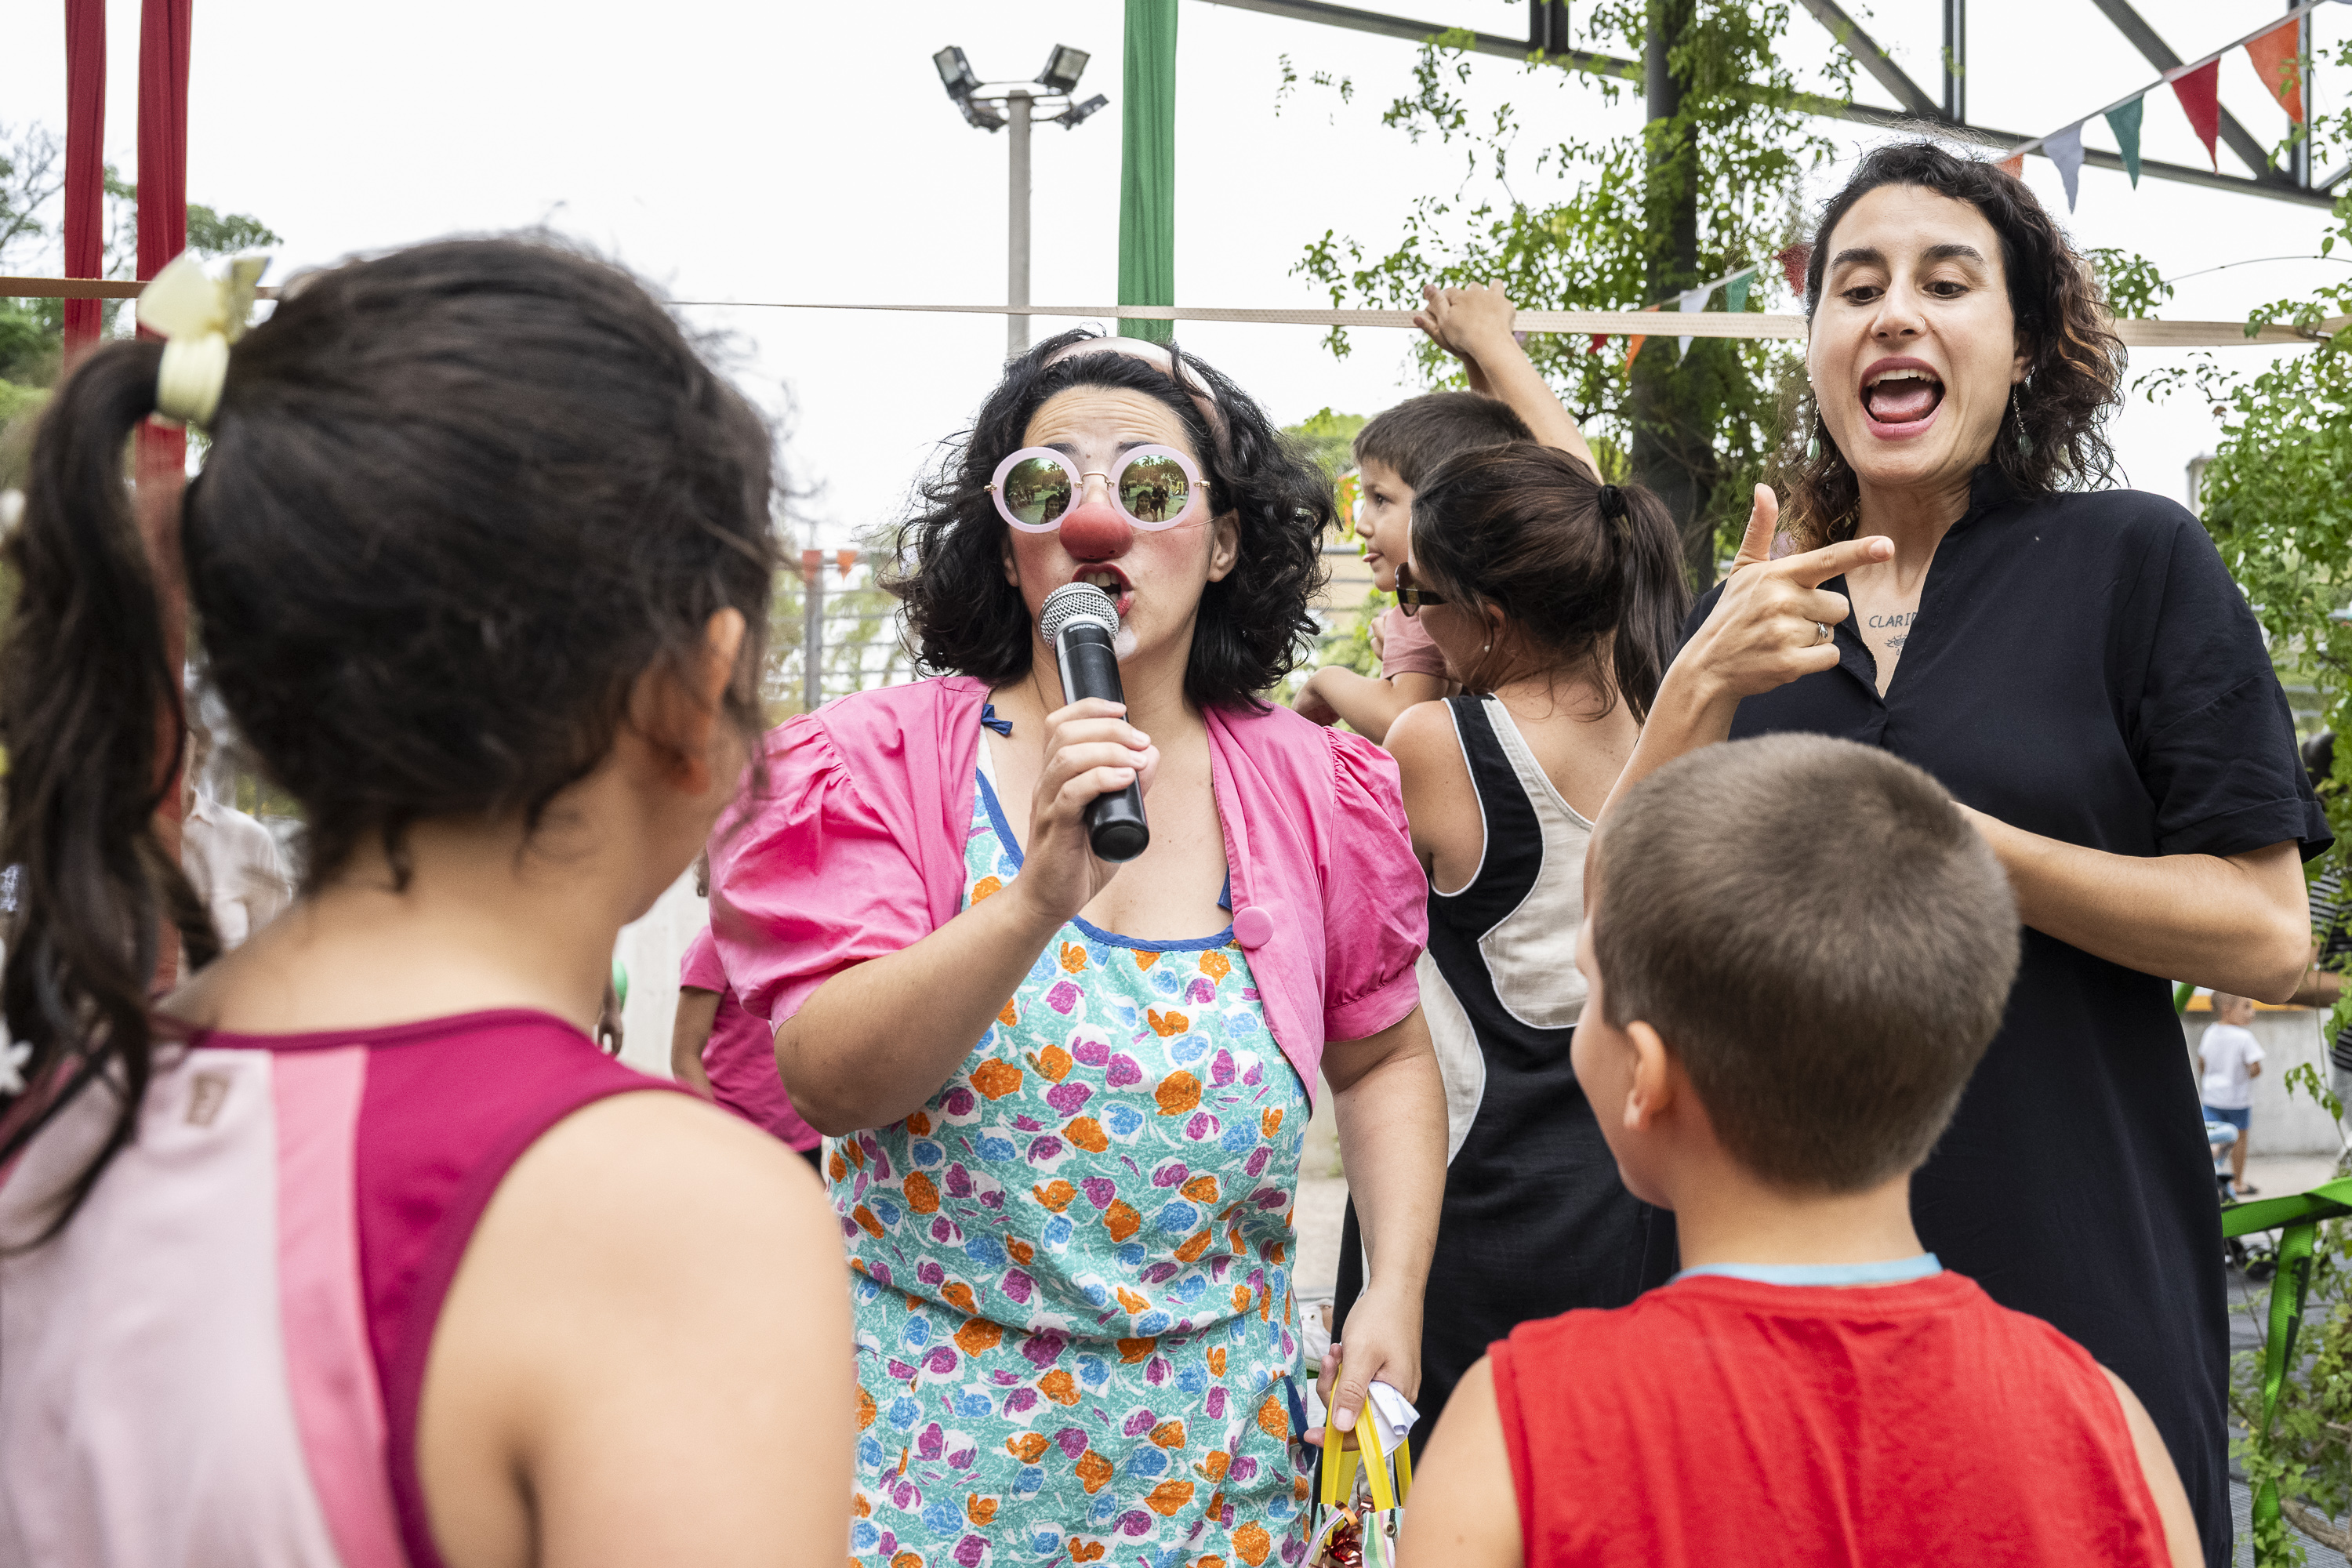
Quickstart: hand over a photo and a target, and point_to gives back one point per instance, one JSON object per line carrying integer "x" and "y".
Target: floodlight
{"x": 982, "y": 116}
{"x": 956, "y": 73}
{"x": 1063, "y": 68}
{"x": 1077, "y": 114}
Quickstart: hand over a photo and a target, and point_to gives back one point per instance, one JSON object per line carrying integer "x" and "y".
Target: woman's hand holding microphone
{"x": 1090, "y": 750}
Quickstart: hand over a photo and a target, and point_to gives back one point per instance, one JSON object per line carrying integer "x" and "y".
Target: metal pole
{"x": 2298, "y": 162}
{"x": 811, "y": 630}
{"x": 1016, "y": 226}
{"x": 1956, "y": 60}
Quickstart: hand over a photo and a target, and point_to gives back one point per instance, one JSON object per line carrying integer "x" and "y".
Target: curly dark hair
{"x": 2075, "y": 366}
{"x": 964, "y": 618}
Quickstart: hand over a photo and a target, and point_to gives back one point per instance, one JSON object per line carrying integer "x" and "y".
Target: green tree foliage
{"x": 32, "y": 170}
{"x": 2277, "y": 503}
{"x": 1619, "y": 223}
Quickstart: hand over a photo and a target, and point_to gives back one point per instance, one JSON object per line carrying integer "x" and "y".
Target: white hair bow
{"x": 200, "y": 316}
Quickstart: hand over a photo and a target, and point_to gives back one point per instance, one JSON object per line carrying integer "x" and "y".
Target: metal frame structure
{"x": 1548, "y": 30}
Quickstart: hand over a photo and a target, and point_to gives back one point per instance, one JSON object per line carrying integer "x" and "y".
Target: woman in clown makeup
{"x": 1067, "y": 1097}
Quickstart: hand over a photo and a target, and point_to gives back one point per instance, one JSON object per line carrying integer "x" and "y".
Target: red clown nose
{"x": 1096, "y": 532}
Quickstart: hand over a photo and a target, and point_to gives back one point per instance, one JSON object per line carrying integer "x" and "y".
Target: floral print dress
{"x": 1075, "y": 1324}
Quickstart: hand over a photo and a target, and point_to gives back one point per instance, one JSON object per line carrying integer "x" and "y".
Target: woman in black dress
{"x": 2077, "y": 667}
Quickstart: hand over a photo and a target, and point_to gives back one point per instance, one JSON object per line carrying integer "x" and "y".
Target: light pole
{"x": 1015, "y": 104}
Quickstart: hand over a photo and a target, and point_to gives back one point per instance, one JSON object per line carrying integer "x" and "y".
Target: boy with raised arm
{"x": 1773, "y": 1051}
{"x": 1507, "y": 401}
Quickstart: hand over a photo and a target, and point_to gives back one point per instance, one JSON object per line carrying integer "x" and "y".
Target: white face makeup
{"x": 1914, "y": 347}
{"x": 1155, "y": 578}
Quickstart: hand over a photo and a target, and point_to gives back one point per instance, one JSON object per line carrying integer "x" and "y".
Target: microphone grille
{"x": 1075, "y": 602}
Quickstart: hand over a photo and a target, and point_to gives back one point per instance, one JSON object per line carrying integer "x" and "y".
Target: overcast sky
{"x": 795, "y": 151}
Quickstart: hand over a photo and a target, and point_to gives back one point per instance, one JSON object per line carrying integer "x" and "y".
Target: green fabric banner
{"x": 1147, "y": 177}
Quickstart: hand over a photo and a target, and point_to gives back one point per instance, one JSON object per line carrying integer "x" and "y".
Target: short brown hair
{"x": 1828, "y": 1008}
{"x": 1420, "y": 433}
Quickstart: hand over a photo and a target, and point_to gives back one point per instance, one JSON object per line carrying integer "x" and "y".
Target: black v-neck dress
{"x": 2082, "y": 668}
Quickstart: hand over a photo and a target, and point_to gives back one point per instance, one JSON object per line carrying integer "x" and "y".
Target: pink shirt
{"x": 740, "y": 1058}
{"x": 254, "y": 1286}
{"x": 854, "y": 849}
{"x": 1406, "y": 649}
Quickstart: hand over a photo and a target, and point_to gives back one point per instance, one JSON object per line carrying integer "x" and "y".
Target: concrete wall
{"x": 2283, "y": 1123}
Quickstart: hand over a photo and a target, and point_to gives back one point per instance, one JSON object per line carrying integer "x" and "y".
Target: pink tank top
{"x": 219, "y": 1360}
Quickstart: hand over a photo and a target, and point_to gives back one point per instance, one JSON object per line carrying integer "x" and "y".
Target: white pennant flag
{"x": 2065, "y": 148}
{"x": 1692, "y": 300}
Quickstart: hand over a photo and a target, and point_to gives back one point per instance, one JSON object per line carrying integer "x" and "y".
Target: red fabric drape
{"x": 162, "y": 132}
{"x": 163, "y": 187}
{"x": 164, "y": 26}
{"x": 85, "y": 163}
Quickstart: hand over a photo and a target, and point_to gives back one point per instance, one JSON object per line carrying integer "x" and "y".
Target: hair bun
{"x": 1613, "y": 504}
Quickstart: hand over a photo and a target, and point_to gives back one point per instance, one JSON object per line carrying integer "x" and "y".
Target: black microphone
{"x": 1080, "y": 623}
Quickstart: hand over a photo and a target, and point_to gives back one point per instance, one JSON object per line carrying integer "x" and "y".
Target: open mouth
{"x": 1112, "y": 581}
{"x": 1900, "y": 397}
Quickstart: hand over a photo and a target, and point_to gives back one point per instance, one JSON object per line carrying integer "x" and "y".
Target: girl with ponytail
{"x": 1557, "y": 601}
{"x": 355, "y": 1249}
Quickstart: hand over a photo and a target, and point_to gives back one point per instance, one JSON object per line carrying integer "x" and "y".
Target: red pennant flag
{"x": 2199, "y": 92}
{"x": 2013, "y": 167}
{"x": 2278, "y": 61}
{"x": 1793, "y": 261}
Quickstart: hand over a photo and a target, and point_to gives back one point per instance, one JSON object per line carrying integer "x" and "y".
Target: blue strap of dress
{"x": 1005, "y": 728}
{"x": 1889, "y": 1271}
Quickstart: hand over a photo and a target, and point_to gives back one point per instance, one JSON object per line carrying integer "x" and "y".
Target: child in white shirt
{"x": 2231, "y": 1060}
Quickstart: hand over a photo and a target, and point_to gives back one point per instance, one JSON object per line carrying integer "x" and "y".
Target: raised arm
{"x": 877, "y": 1040}
{"x": 1475, "y": 326}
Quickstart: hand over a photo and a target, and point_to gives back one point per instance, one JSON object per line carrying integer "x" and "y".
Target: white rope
{"x": 1744, "y": 324}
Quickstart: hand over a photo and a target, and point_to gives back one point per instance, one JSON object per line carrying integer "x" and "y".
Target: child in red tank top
{"x": 1772, "y": 1050}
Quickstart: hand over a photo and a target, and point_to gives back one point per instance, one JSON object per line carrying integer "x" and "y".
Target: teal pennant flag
{"x": 2124, "y": 123}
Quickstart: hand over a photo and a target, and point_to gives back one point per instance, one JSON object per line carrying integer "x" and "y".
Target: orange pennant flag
{"x": 2013, "y": 167}
{"x": 1633, "y": 348}
{"x": 2278, "y": 61}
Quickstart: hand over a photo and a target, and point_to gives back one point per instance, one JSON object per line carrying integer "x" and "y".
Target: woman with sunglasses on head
{"x": 1556, "y": 600}
{"x": 1069, "y": 1096}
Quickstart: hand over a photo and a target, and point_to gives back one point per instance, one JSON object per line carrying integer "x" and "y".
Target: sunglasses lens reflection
{"x": 1154, "y": 489}
{"x": 1037, "y": 490}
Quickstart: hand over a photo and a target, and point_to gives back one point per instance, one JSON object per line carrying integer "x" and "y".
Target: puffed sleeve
{"x": 2216, "y": 742}
{"x": 700, "y": 969}
{"x": 808, "y": 878}
{"x": 1375, "y": 896}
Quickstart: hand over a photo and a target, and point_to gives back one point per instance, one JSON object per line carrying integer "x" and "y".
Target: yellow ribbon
{"x": 199, "y": 316}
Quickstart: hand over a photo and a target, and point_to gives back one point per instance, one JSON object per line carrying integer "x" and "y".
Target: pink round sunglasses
{"x": 1152, "y": 488}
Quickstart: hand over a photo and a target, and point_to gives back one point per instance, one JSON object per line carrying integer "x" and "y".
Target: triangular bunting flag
{"x": 1735, "y": 291}
{"x": 2278, "y": 61}
{"x": 1793, "y": 260}
{"x": 2065, "y": 148}
{"x": 1633, "y": 348}
{"x": 1691, "y": 300}
{"x": 2124, "y": 123}
{"x": 2199, "y": 92}
{"x": 2014, "y": 167}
